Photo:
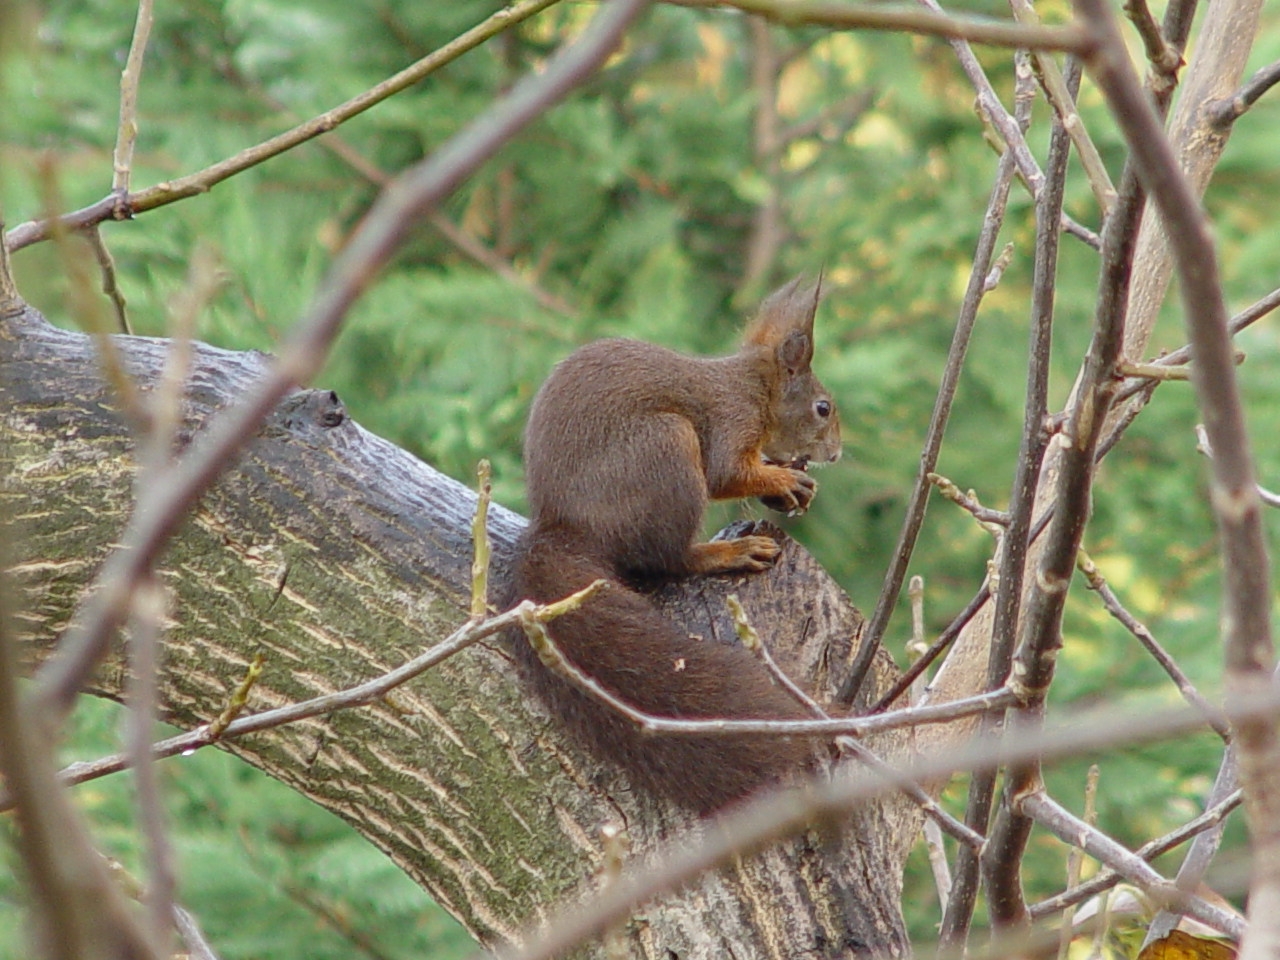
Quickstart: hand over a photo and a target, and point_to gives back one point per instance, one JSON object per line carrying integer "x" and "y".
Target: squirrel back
{"x": 625, "y": 445}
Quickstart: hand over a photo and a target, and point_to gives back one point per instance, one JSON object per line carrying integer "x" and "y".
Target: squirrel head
{"x": 803, "y": 426}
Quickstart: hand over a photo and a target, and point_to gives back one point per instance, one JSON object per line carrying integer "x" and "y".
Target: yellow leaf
{"x": 1184, "y": 946}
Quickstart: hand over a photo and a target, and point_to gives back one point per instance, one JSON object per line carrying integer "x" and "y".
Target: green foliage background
{"x": 631, "y": 205}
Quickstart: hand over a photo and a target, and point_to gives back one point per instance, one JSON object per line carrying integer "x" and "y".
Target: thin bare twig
{"x": 1113, "y": 296}
{"x": 1075, "y": 860}
{"x": 146, "y": 624}
{"x": 933, "y": 840}
{"x": 1112, "y": 603}
{"x": 301, "y": 355}
{"x": 944, "y": 641}
{"x": 130, "y": 77}
{"x": 1151, "y": 371}
{"x": 551, "y": 655}
{"x": 1038, "y": 624}
{"x": 358, "y": 696}
{"x": 79, "y": 911}
{"x": 1205, "y": 845}
{"x": 842, "y": 115}
{"x": 110, "y": 284}
{"x": 480, "y": 548}
{"x": 189, "y": 930}
{"x": 87, "y": 310}
{"x": 914, "y": 519}
{"x": 184, "y": 314}
{"x": 1246, "y": 317}
{"x": 1137, "y": 393}
{"x": 1081, "y": 232}
{"x": 465, "y": 242}
{"x": 989, "y": 105}
{"x": 750, "y": 639}
{"x": 847, "y": 16}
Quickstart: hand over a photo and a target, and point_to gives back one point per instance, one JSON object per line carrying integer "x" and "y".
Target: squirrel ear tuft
{"x": 785, "y": 312}
{"x": 795, "y": 353}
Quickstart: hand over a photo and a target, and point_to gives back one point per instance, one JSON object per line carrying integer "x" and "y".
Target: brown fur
{"x": 625, "y": 445}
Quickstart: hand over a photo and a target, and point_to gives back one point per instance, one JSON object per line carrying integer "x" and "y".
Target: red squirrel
{"x": 625, "y": 444}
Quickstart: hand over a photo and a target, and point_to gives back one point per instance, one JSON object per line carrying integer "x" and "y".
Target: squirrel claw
{"x": 796, "y": 500}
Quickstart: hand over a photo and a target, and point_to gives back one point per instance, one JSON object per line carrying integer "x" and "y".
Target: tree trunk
{"x": 339, "y": 556}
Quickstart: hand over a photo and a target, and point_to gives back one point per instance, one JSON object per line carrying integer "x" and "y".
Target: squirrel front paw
{"x": 739, "y": 555}
{"x": 795, "y": 500}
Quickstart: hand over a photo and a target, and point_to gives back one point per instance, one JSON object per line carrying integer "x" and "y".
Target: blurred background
{"x": 713, "y": 159}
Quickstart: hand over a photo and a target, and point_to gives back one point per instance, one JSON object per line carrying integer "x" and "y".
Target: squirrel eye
{"x": 822, "y": 408}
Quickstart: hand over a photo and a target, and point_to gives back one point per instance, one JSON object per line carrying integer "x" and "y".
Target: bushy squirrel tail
{"x": 623, "y": 641}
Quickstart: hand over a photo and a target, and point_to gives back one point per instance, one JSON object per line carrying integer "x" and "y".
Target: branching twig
{"x": 1205, "y": 845}
{"x": 944, "y": 641}
{"x": 87, "y": 310}
{"x": 1205, "y": 447}
{"x": 1138, "y": 392}
{"x": 1166, "y": 60}
{"x": 1107, "y": 878}
{"x": 1063, "y": 102}
{"x": 1245, "y": 318}
{"x": 994, "y": 521}
{"x": 550, "y": 654}
{"x": 989, "y": 106}
{"x": 1071, "y": 829}
{"x": 1015, "y": 545}
{"x": 202, "y": 181}
{"x": 848, "y": 746}
{"x": 464, "y": 241}
{"x": 1226, "y": 112}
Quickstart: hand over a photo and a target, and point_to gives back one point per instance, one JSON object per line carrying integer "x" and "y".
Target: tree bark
{"x": 339, "y": 556}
